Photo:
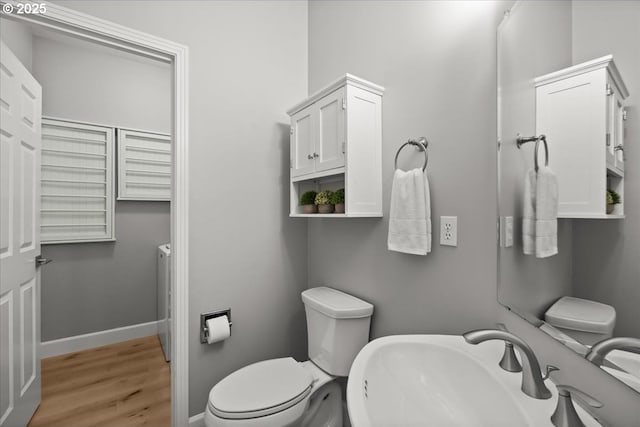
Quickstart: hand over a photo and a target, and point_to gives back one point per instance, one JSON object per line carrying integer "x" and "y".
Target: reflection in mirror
{"x": 569, "y": 79}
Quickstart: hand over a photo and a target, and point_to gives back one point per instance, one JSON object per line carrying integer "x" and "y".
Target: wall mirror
{"x": 571, "y": 70}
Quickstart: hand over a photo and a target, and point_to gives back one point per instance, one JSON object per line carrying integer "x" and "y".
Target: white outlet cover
{"x": 508, "y": 235}
{"x": 449, "y": 230}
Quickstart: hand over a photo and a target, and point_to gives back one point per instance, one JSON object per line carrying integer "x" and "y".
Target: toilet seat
{"x": 261, "y": 389}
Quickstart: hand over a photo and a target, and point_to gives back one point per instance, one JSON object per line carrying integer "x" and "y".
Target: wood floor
{"x": 119, "y": 385}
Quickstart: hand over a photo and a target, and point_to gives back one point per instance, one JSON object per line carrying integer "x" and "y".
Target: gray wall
{"x": 98, "y": 286}
{"x": 436, "y": 61}
{"x": 18, "y": 38}
{"x": 527, "y": 284}
{"x": 248, "y": 64}
{"x": 606, "y": 264}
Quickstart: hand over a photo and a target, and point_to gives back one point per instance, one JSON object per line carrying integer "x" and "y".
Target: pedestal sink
{"x": 440, "y": 380}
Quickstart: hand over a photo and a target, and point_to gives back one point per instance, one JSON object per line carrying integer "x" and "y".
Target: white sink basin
{"x": 440, "y": 380}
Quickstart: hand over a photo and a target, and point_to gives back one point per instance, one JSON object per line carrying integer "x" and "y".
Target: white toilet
{"x": 284, "y": 392}
{"x": 584, "y": 320}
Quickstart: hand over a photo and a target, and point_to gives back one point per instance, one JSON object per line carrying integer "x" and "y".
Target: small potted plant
{"x": 323, "y": 200}
{"x": 613, "y": 198}
{"x": 308, "y": 202}
{"x": 337, "y": 198}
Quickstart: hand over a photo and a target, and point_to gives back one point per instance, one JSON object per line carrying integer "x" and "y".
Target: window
{"x": 144, "y": 166}
{"x": 77, "y": 182}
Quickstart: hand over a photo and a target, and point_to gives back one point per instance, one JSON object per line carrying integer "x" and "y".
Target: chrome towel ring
{"x": 523, "y": 140}
{"x": 422, "y": 144}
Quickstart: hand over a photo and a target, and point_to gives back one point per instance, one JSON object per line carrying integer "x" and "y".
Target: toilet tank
{"x": 337, "y": 328}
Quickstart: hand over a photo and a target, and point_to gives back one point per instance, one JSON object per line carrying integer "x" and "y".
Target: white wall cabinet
{"x": 580, "y": 111}
{"x": 318, "y": 135}
{"x": 144, "y": 165}
{"x": 336, "y": 142}
{"x": 77, "y": 182}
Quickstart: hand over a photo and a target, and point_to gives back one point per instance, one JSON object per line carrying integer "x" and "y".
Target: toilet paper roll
{"x": 218, "y": 329}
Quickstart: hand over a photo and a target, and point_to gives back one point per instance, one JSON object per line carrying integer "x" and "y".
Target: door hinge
{"x": 624, "y": 114}
{"x": 609, "y": 90}
{"x": 343, "y": 147}
{"x": 344, "y": 104}
{"x": 291, "y": 131}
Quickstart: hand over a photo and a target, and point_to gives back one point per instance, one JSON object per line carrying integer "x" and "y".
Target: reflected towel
{"x": 546, "y": 213}
{"x": 410, "y": 213}
{"x": 529, "y": 213}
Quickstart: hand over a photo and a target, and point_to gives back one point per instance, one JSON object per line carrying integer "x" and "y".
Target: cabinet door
{"x": 618, "y": 144}
{"x": 330, "y": 144}
{"x": 571, "y": 113}
{"x": 302, "y": 143}
{"x": 610, "y": 137}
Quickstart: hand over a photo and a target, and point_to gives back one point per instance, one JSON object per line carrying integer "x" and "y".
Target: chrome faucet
{"x": 532, "y": 379}
{"x": 565, "y": 414}
{"x": 600, "y": 350}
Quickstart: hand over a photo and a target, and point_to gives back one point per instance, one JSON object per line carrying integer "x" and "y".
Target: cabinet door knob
{"x": 309, "y": 156}
{"x": 316, "y": 155}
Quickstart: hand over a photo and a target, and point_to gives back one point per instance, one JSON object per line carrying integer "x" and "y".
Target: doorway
{"x": 87, "y": 28}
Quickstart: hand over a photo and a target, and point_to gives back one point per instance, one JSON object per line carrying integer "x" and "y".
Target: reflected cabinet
{"x": 580, "y": 110}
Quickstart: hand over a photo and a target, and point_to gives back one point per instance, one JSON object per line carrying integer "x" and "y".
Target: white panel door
{"x": 330, "y": 144}
{"x": 302, "y": 143}
{"x": 20, "y": 142}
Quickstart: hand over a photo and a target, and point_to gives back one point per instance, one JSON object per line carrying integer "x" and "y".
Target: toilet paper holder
{"x": 204, "y": 331}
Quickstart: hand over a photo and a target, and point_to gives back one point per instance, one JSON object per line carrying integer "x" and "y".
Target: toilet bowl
{"x": 275, "y": 393}
{"x": 284, "y": 392}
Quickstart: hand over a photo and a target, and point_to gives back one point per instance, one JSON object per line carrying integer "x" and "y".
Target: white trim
{"x": 91, "y": 28}
{"x": 585, "y": 67}
{"x": 62, "y": 119}
{"x": 197, "y": 420}
{"x": 343, "y": 80}
{"x": 97, "y": 339}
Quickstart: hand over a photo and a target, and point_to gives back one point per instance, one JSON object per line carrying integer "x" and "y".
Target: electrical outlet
{"x": 508, "y": 235}
{"x": 506, "y": 231}
{"x": 449, "y": 230}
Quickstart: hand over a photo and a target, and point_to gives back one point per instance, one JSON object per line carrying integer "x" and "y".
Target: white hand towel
{"x": 529, "y": 213}
{"x": 546, "y": 213}
{"x": 410, "y": 213}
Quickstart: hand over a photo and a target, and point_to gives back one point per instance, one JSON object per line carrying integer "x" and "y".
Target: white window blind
{"x": 77, "y": 182}
{"x": 144, "y": 165}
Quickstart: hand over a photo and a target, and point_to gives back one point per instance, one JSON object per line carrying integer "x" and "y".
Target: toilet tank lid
{"x": 581, "y": 315}
{"x": 336, "y": 304}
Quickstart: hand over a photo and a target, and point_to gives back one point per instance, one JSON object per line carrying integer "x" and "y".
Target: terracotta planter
{"x": 339, "y": 208}
{"x": 610, "y": 208}
{"x": 309, "y": 209}
{"x": 325, "y": 209}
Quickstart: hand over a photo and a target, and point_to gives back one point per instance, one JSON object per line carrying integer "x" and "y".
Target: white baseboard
{"x": 197, "y": 420}
{"x": 96, "y": 339}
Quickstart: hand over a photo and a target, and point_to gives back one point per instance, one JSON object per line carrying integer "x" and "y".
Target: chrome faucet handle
{"x": 550, "y": 368}
{"x": 509, "y": 361}
{"x": 565, "y": 414}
